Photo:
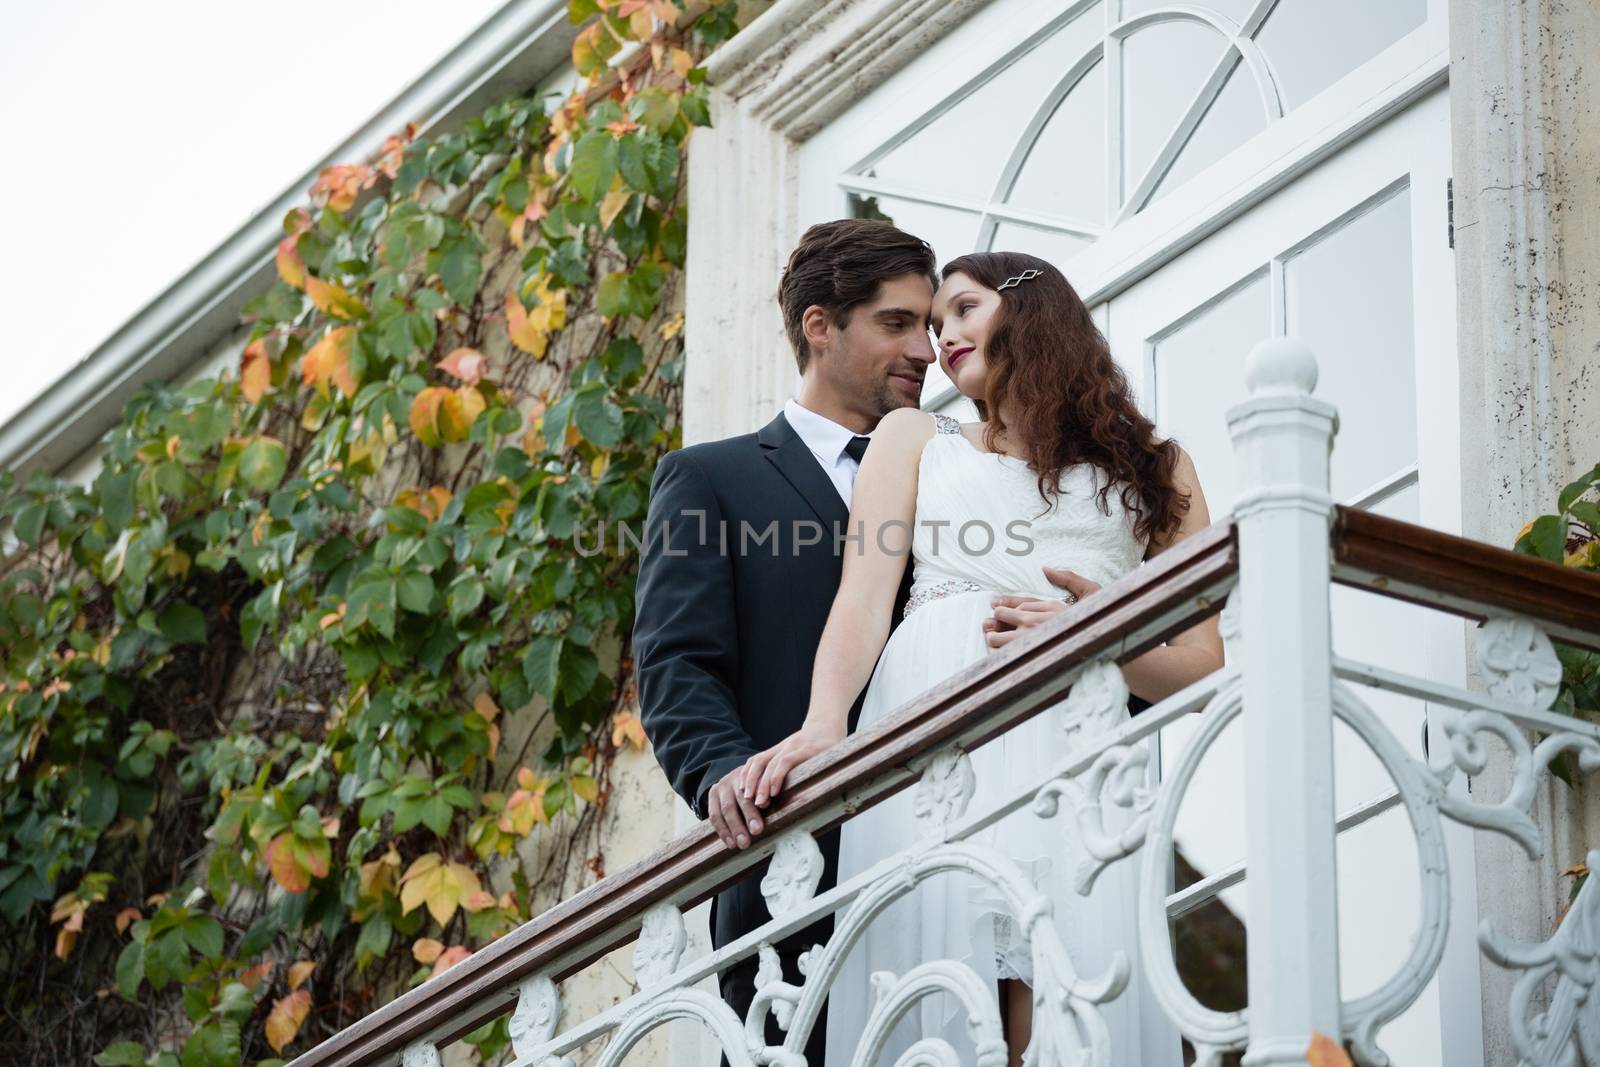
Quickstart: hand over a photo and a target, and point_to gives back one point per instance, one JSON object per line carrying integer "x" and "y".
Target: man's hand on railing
{"x": 732, "y": 813}
{"x": 1014, "y": 614}
{"x": 765, "y": 772}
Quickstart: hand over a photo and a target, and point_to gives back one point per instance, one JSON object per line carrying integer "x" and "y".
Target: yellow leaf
{"x": 334, "y": 300}
{"x": 682, "y": 62}
{"x": 612, "y": 205}
{"x": 530, "y": 330}
{"x": 286, "y": 871}
{"x": 425, "y": 414}
{"x": 285, "y": 1018}
{"x": 426, "y": 949}
{"x": 597, "y": 469}
{"x": 330, "y": 827}
{"x": 299, "y": 972}
{"x": 441, "y": 886}
{"x": 626, "y": 727}
{"x": 485, "y": 706}
{"x": 329, "y": 361}
{"x": 458, "y": 411}
{"x": 1326, "y": 1052}
{"x": 671, "y": 327}
{"x": 585, "y": 788}
{"x": 290, "y": 267}
{"x": 377, "y": 876}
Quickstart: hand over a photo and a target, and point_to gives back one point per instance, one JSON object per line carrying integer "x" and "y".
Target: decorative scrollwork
{"x": 699, "y": 1006}
{"x": 1568, "y": 1030}
{"x": 772, "y": 993}
{"x": 1519, "y": 662}
{"x": 662, "y": 939}
{"x": 424, "y": 1054}
{"x": 945, "y": 788}
{"x": 1118, "y": 776}
{"x": 894, "y": 997}
{"x": 1097, "y": 703}
{"x": 537, "y": 1013}
{"x": 793, "y": 875}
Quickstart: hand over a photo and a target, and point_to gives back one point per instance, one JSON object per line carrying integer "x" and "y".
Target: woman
{"x": 1064, "y": 448}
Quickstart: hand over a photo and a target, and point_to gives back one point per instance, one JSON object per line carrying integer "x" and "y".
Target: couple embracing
{"x": 797, "y": 585}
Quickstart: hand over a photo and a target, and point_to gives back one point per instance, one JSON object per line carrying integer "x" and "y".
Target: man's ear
{"x": 817, "y": 327}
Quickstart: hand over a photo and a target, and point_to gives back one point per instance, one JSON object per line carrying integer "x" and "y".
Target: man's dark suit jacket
{"x": 731, "y": 604}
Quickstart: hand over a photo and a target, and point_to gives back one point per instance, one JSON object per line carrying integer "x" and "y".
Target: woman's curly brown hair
{"x": 1051, "y": 369}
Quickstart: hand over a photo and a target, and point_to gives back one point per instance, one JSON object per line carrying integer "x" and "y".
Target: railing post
{"x": 1282, "y": 440}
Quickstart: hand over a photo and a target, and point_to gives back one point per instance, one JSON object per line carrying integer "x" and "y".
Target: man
{"x": 743, "y": 544}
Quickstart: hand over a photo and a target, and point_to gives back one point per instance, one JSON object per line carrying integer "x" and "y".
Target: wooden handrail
{"x": 1464, "y": 577}
{"x": 1171, "y": 593}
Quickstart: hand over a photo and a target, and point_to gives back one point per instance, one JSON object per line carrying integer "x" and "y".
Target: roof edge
{"x": 515, "y": 48}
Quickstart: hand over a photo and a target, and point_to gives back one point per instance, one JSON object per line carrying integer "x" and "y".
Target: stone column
{"x": 1524, "y": 75}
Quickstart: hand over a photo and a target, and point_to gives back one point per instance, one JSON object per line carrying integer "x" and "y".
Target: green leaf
{"x": 30, "y": 523}
{"x": 1548, "y": 538}
{"x": 541, "y": 663}
{"x": 696, "y": 108}
{"x": 262, "y": 463}
{"x": 594, "y": 164}
{"x": 460, "y": 266}
{"x": 1577, "y": 489}
{"x": 205, "y": 934}
{"x": 599, "y": 420}
{"x": 130, "y": 969}
{"x": 416, "y": 592}
{"x": 615, "y": 295}
{"x": 183, "y": 624}
{"x": 122, "y": 1054}
{"x": 1586, "y": 512}
{"x": 580, "y": 11}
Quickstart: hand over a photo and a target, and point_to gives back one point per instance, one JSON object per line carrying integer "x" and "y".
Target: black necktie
{"x": 857, "y": 448}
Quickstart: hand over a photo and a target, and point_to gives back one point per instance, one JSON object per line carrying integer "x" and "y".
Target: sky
{"x": 136, "y": 137}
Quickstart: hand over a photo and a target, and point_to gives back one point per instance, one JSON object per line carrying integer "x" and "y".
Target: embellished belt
{"x": 938, "y": 591}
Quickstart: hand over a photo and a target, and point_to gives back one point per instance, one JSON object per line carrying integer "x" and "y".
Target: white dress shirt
{"x": 826, "y": 439}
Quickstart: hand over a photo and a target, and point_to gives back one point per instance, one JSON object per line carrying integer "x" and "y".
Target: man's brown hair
{"x": 839, "y": 266}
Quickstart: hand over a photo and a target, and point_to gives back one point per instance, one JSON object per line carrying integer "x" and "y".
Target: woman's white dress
{"x": 952, "y": 916}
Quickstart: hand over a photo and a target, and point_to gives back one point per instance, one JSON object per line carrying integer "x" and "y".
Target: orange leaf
{"x": 255, "y": 371}
{"x": 330, "y": 827}
{"x": 468, "y": 364}
{"x": 329, "y": 361}
{"x": 626, "y": 727}
{"x": 426, "y": 949}
{"x": 334, "y": 300}
{"x": 458, "y": 411}
{"x": 290, "y": 266}
{"x": 478, "y": 901}
{"x": 1326, "y": 1052}
{"x": 252, "y": 977}
{"x": 449, "y": 958}
{"x": 285, "y": 1018}
{"x": 485, "y": 706}
{"x": 125, "y": 918}
{"x": 299, "y": 972}
{"x": 425, "y": 414}
{"x": 338, "y": 186}
{"x": 281, "y": 862}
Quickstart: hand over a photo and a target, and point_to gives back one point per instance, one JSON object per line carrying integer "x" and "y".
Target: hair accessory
{"x": 1025, "y": 276}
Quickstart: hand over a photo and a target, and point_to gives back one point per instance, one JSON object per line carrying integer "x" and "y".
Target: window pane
{"x": 1057, "y": 248}
{"x": 950, "y": 232}
{"x": 1233, "y": 118}
{"x": 1163, "y": 67}
{"x": 1199, "y": 375}
{"x": 1311, "y": 43}
{"x": 1233, "y": 9}
{"x": 960, "y": 154}
{"x": 1349, "y": 298}
{"x": 1065, "y": 172}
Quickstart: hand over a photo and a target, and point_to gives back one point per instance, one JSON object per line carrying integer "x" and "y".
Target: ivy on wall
{"x": 291, "y": 686}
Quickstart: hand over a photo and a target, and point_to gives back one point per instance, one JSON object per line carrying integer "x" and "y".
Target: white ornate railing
{"x": 1285, "y": 684}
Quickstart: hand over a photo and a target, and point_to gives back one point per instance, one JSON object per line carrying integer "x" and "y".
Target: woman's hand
{"x": 765, "y": 772}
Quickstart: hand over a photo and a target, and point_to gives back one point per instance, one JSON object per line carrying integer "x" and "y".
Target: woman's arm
{"x": 883, "y": 508}
{"x": 1164, "y": 670}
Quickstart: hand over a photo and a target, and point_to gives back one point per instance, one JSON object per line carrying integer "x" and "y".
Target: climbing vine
{"x": 333, "y": 645}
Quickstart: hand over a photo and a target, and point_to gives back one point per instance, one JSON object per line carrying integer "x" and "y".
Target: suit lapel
{"x": 788, "y": 452}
